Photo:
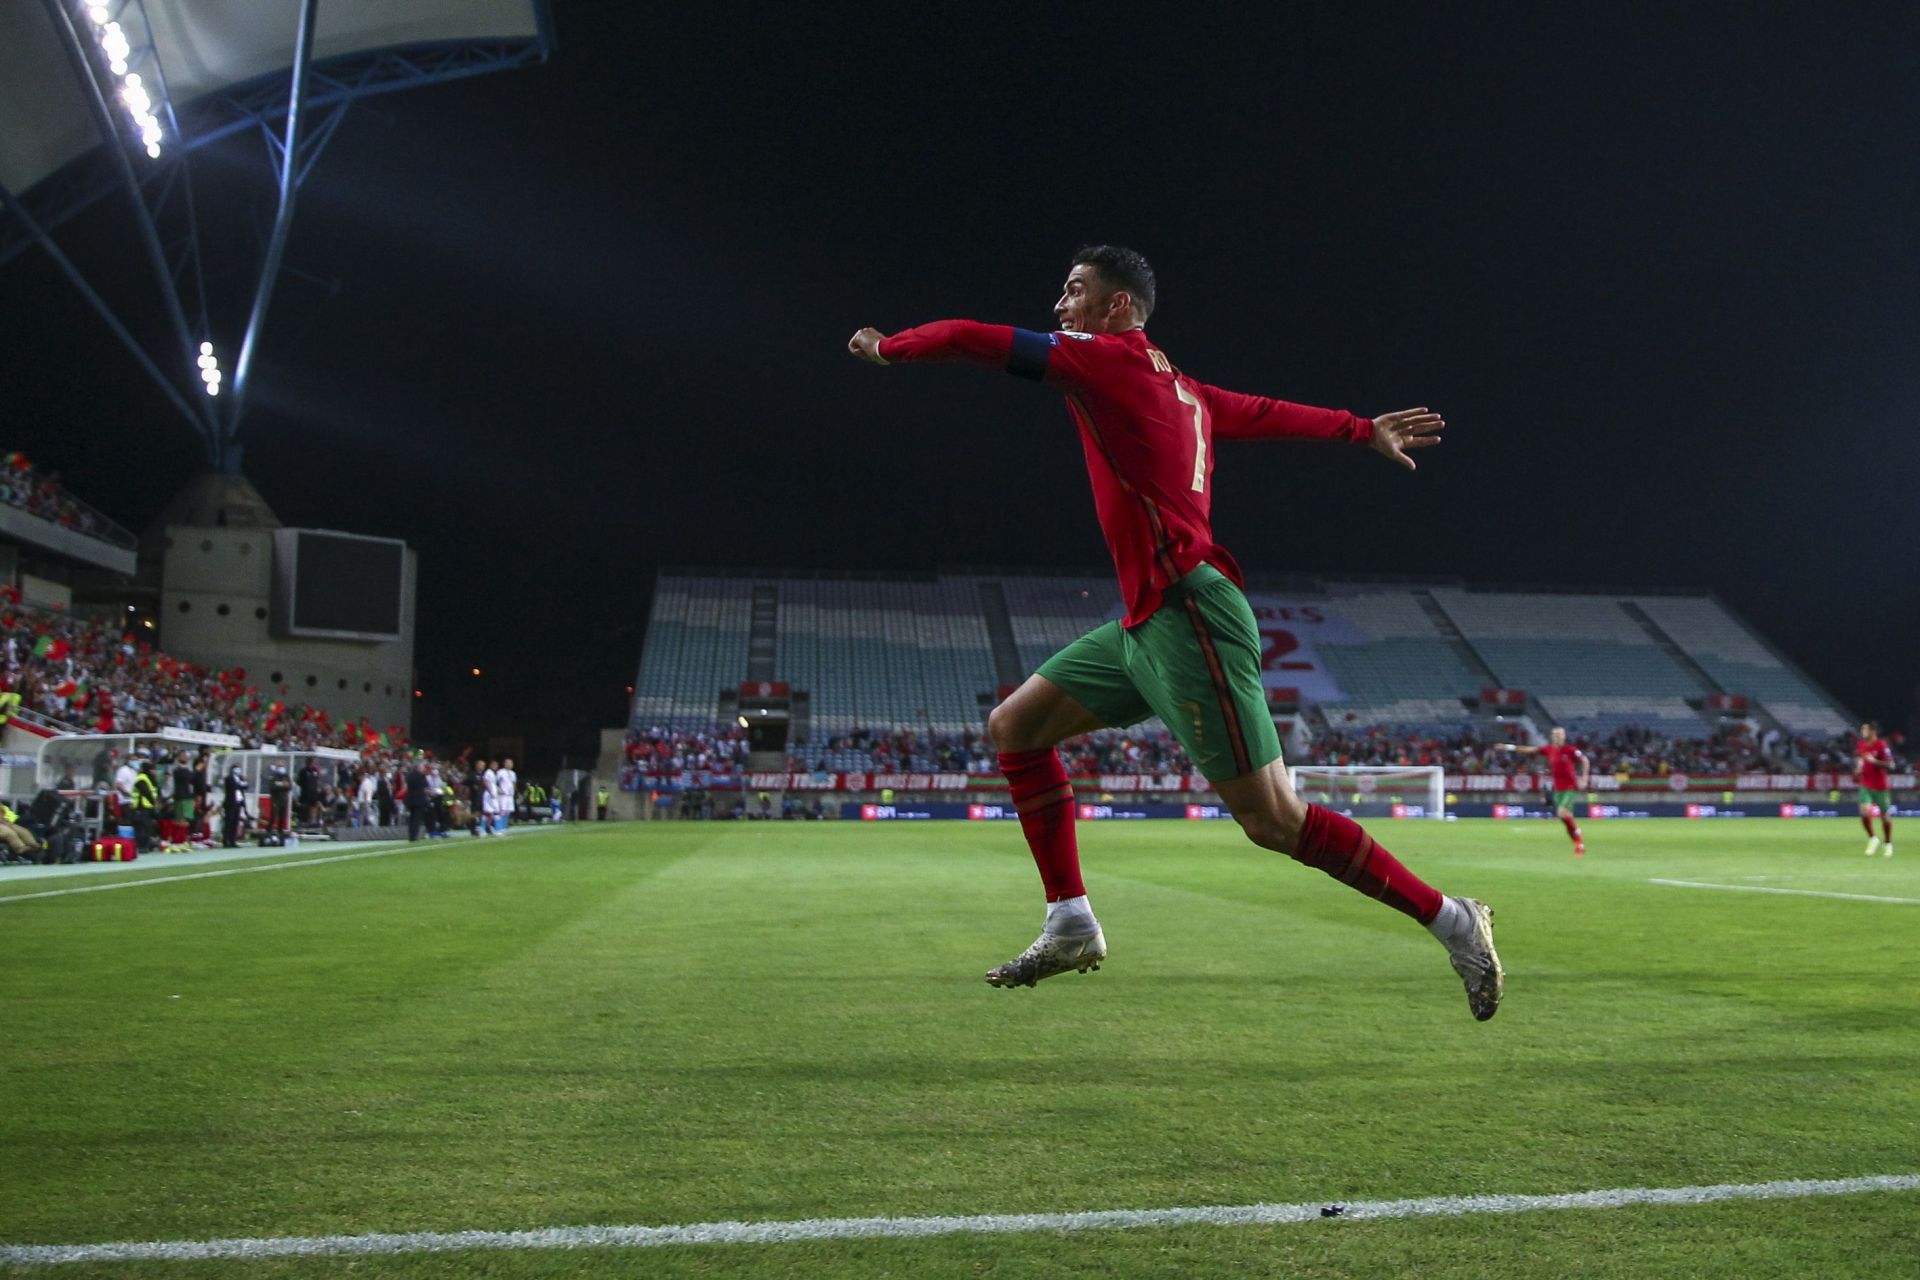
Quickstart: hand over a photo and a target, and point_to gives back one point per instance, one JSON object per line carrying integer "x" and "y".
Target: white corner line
{"x": 285, "y": 864}
{"x": 1798, "y": 893}
{"x": 716, "y": 1233}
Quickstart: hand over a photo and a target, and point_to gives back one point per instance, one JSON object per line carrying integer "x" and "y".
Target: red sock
{"x": 1571, "y": 829}
{"x": 1044, "y": 799}
{"x": 1866, "y": 820}
{"x": 1336, "y": 845}
{"x": 1886, "y": 827}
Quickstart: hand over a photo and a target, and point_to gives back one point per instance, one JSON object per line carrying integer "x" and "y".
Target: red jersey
{"x": 1872, "y": 760}
{"x": 1561, "y": 760}
{"x": 1147, "y": 430}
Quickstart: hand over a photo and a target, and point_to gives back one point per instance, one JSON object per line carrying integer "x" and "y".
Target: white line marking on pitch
{"x": 915, "y": 1228}
{"x": 413, "y": 847}
{"x": 1799, "y": 893}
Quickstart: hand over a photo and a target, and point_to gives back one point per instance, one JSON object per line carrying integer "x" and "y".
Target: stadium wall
{"x": 215, "y": 609}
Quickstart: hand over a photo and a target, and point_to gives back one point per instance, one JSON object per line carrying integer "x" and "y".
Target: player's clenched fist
{"x": 865, "y": 343}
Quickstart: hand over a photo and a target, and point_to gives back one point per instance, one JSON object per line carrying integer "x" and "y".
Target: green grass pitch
{"x": 650, "y": 1024}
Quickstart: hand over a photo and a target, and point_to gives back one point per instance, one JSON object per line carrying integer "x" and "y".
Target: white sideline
{"x": 915, "y": 1228}
{"x": 1802, "y": 893}
{"x": 385, "y": 851}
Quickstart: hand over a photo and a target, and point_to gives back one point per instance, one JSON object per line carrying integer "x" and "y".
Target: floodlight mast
{"x": 207, "y": 423}
{"x": 227, "y": 445}
{"x": 133, "y": 62}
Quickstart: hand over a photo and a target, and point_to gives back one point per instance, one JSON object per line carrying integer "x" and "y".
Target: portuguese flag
{"x": 51, "y": 647}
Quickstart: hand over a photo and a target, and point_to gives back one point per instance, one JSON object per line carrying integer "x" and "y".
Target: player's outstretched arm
{"x": 968, "y": 341}
{"x": 1395, "y": 433}
{"x": 1516, "y": 748}
{"x": 1238, "y": 416}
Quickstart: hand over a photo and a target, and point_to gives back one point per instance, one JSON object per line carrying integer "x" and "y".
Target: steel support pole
{"x": 99, "y": 304}
{"x": 276, "y": 243}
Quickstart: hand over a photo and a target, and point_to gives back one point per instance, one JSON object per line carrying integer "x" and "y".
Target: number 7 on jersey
{"x": 1199, "y": 437}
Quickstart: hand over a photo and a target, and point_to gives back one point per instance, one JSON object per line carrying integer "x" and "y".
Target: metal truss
{"x": 261, "y": 105}
{"x": 277, "y": 107}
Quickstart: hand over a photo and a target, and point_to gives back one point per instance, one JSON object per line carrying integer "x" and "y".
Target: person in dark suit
{"x": 233, "y": 800}
{"x": 419, "y": 800}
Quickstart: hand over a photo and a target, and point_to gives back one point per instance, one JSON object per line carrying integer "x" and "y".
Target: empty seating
{"x": 917, "y": 654}
{"x": 1740, "y": 663}
{"x": 1048, "y": 614}
{"x": 878, "y": 654}
{"x": 1582, "y": 654}
{"x": 696, "y": 646}
{"x": 1399, "y": 670}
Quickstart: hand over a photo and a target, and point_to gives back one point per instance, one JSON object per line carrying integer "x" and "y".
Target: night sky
{"x": 559, "y": 327}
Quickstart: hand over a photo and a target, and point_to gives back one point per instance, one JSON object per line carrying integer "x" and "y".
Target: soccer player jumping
{"x": 1567, "y": 781}
{"x": 1872, "y": 757}
{"x": 1188, "y": 649}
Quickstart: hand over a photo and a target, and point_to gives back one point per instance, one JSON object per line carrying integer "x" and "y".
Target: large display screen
{"x": 338, "y": 585}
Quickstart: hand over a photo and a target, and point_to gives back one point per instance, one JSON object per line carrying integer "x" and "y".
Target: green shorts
{"x": 1565, "y": 800}
{"x": 1195, "y": 663}
{"x": 183, "y": 810}
{"x": 1882, "y": 798}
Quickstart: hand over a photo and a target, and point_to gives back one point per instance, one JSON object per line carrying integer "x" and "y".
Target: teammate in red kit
{"x": 1188, "y": 649}
{"x": 1872, "y": 757}
{"x": 1571, "y": 772}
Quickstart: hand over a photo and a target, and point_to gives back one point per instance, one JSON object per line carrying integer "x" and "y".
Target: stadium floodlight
{"x": 210, "y": 368}
{"x": 134, "y": 95}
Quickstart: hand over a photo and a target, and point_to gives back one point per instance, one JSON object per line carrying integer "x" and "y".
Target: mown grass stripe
{"x": 384, "y": 851}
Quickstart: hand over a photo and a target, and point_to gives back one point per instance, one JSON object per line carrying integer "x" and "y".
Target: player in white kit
{"x": 505, "y": 781}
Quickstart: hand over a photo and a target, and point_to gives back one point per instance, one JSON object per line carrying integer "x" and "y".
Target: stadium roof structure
{"x": 99, "y": 97}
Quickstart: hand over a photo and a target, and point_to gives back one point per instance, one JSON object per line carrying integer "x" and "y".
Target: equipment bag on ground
{"x": 115, "y": 849}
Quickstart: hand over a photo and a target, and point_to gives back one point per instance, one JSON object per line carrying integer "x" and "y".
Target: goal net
{"x": 1400, "y": 791}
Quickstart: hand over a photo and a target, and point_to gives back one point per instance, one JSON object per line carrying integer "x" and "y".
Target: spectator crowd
{"x": 92, "y": 676}
{"x": 41, "y": 494}
{"x": 1632, "y": 751}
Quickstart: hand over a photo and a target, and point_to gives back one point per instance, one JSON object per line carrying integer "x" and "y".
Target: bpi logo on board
{"x": 1793, "y": 811}
{"x": 1509, "y": 811}
{"x": 1200, "y": 812}
{"x": 985, "y": 812}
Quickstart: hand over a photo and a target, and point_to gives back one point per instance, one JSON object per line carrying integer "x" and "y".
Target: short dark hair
{"x": 1121, "y": 268}
{"x": 1872, "y": 725}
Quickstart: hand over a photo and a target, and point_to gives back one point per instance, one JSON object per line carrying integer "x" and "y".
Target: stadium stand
{"x": 1403, "y": 673}
{"x": 696, "y": 646}
{"x": 1050, "y": 613}
{"x": 898, "y": 673}
{"x": 41, "y": 494}
{"x": 1741, "y": 663}
{"x": 1588, "y": 662}
{"x": 84, "y": 675}
{"x": 879, "y": 654}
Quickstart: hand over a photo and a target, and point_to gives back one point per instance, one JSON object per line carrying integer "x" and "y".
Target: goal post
{"x": 1399, "y": 791}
